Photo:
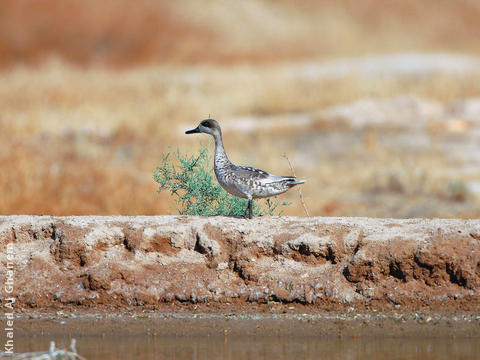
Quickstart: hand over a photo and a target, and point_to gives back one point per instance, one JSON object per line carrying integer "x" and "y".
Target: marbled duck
{"x": 242, "y": 181}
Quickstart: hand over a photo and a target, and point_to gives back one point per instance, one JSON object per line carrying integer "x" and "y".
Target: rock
{"x": 149, "y": 261}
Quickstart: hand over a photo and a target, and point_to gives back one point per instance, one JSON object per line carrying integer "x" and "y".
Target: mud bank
{"x": 118, "y": 263}
{"x": 289, "y": 324}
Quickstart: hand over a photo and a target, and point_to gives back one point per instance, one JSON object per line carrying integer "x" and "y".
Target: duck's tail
{"x": 292, "y": 182}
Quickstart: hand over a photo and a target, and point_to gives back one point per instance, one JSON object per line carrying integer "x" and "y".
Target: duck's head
{"x": 208, "y": 126}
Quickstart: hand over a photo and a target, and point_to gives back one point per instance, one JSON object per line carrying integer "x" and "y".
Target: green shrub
{"x": 191, "y": 180}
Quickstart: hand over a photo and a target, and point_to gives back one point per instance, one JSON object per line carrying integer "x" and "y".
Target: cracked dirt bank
{"x": 319, "y": 264}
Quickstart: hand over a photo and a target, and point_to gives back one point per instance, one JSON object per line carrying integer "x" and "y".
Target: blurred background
{"x": 375, "y": 103}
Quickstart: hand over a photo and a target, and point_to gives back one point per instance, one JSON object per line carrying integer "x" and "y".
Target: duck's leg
{"x": 249, "y": 211}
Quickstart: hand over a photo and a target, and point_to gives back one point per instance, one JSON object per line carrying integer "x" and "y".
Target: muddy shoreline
{"x": 220, "y": 323}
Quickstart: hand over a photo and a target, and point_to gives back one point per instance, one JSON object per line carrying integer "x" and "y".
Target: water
{"x": 260, "y": 347}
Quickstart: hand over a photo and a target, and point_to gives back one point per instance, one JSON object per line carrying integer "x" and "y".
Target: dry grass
{"x": 86, "y": 141}
{"x": 85, "y": 138}
{"x": 122, "y": 32}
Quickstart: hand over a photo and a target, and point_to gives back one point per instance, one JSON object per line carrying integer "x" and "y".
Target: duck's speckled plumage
{"x": 242, "y": 181}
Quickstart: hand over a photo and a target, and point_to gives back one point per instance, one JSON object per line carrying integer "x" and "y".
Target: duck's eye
{"x": 206, "y": 124}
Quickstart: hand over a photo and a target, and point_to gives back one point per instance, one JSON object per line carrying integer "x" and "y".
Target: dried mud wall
{"x": 117, "y": 262}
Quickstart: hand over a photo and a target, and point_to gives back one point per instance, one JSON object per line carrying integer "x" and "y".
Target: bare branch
{"x": 298, "y": 188}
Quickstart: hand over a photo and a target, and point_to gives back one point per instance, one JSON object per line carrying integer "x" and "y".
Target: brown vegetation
{"x": 87, "y": 142}
{"x": 123, "y": 32}
{"x": 84, "y": 138}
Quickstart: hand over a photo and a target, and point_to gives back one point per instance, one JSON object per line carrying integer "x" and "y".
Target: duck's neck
{"x": 221, "y": 158}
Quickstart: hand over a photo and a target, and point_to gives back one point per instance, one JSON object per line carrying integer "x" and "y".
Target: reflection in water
{"x": 261, "y": 347}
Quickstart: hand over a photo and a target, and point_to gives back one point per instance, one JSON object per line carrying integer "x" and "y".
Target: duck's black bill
{"x": 196, "y": 130}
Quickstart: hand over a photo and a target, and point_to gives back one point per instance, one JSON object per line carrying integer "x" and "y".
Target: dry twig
{"x": 299, "y": 188}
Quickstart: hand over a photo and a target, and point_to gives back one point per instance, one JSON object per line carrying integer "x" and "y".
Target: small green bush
{"x": 190, "y": 178}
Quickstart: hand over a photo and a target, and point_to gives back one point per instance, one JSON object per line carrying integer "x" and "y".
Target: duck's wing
{"x": 251, "y": 173}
